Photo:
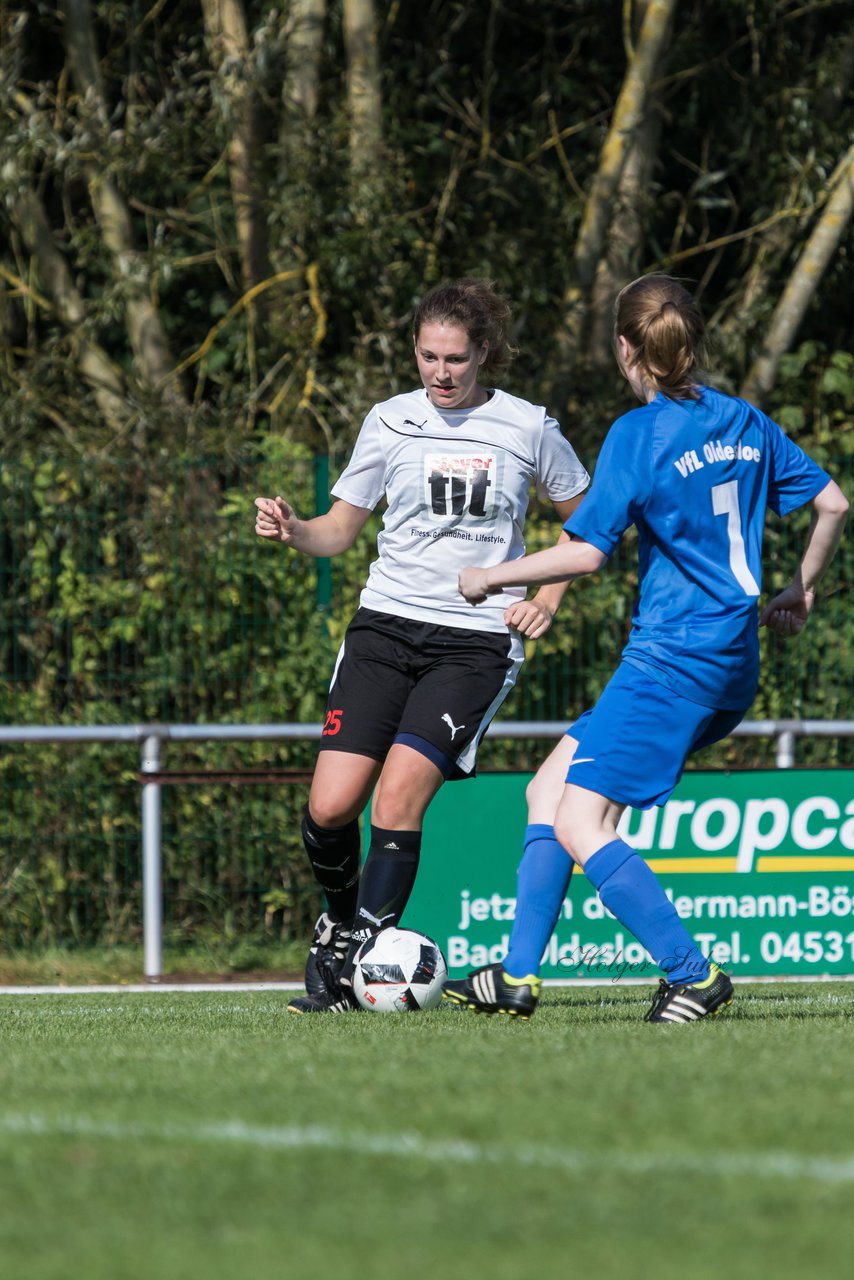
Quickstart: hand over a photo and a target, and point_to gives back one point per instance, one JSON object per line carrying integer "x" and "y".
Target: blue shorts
{"x": 632, "y": 746}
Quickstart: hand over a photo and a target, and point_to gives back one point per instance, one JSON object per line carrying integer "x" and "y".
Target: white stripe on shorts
{"x": 466, "y": 760}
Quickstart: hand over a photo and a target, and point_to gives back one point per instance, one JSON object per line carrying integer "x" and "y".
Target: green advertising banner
{"x": 759, "y": 865}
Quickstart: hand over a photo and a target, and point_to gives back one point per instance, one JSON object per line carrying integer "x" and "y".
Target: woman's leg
{"x": 513, "y": 987}
{"x": 340, "y": 789}
{"x": 586, "y": 824}
{"x": 406, "y": 785}
{"x": 542, "y": 880}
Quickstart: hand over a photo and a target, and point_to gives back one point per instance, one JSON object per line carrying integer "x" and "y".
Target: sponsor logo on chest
{"x": 458, "y": 484}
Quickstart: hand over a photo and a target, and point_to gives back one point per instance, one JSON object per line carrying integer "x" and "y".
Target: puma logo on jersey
{"x": 454, "y": 728}
{"x": 407, "y": 422}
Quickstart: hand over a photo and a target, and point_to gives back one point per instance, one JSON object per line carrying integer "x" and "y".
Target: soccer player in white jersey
{"x": 421, "y": 672}
{"x": 693, "y": 470}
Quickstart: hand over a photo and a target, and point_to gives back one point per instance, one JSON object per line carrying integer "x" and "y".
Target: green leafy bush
{"x": 134, "y": 594}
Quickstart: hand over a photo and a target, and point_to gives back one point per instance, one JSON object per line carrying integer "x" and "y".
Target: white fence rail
{"x": 151, "y": 738}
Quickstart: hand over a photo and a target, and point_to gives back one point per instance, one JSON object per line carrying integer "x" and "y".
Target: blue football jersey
{"x": 695, "y": 477}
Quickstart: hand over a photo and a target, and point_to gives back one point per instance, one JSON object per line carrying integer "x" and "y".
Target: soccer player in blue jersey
{"x": 694, "y": 471}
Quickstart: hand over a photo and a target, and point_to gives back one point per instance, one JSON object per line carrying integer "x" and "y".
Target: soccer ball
{"x": 399, "y": 971}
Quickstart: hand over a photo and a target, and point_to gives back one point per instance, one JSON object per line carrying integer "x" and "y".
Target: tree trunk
{"x": 95, "y": 365}
{"x": 803, "y": 283}
{"x": 225, "y": 25}
{"x": 776, "y": 243}
{"x": 147, "y": 336}
{"x": 298, "y": 137}
{"x": 755, "y": 283}
{"x": 300, "y": 90}
{"x": 363, "y": 89}
{"x": 621, "y": 260}
{"x": 630, "y": 109}
{"x": 154, "y": 362}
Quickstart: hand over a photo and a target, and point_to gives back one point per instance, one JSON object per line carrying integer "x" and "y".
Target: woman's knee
{"x": 341, "y": 788}
{"x": 334, "y": 803}
{"x": 585, "y": 822}
{"x": 404, "y": 789}
{"x": 542, "y": 795}
{"x": 395, "y": 809}
{"x": 567, "y": 828}
{"x": 331, "y": 811}
{"x": 563, "y": 833}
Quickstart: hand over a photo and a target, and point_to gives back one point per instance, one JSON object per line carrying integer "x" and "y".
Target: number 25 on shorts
{"x": 332, "y": 723}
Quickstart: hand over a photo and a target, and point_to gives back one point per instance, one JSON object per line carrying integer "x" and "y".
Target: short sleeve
{"x": 620, "y": 486}
{"x": 363, "y": 481}
{"x": 560, "y": 475}
{"x": 793, "y": 476}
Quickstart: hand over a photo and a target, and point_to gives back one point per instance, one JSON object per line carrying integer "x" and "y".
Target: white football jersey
{"x": 457, "y": 484}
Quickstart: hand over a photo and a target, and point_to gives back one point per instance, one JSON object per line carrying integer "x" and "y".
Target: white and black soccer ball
{"x": 399, "y": 971}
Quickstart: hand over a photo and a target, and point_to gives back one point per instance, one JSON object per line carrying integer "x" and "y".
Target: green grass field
{"x": 212, "y": 1135}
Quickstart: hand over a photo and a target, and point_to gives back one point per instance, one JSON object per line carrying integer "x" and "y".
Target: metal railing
{"x": 151, "y": 738}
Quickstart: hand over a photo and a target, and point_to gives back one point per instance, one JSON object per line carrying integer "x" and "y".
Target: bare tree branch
{"x": 803, "y": 283}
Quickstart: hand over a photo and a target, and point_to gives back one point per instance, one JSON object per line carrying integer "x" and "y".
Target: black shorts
{"x": 433, "y": 688}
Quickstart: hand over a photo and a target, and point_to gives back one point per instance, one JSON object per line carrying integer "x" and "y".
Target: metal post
{"x": 323, "y": 566}
{"x": 786, "y": 749}
{"x": 152, "y": 874}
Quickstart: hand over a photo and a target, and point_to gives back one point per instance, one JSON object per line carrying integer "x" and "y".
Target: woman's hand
{"x": 474, "y": 585}
{"x": 787, "y": 613}
{"x": 531, "y": 618}
{"x": 275, "y": 519}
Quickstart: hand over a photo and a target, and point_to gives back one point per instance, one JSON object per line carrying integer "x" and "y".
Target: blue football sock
{"x": 632, "y": 893}
{"x": 541, "y": 886}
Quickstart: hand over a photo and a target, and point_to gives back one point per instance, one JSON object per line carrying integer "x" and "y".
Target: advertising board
{"x": 759, "y": 865}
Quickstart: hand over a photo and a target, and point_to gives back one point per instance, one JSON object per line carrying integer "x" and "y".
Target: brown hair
{"x": 661, "y": 320}
{"x": 477, "y": 307}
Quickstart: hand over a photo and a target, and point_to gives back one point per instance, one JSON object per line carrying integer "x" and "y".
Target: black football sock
{"x": 387, "y": 880}
{"x": 334, "y": 854}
